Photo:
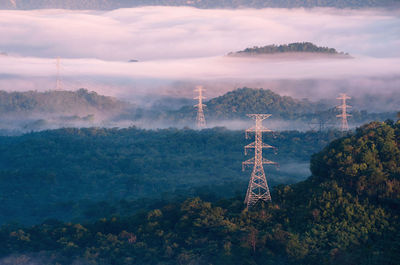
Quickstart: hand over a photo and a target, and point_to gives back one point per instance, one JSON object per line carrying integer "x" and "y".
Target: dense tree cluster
{"x": 33, "y": 111}
{"x": 285, "y": 48}
{"x": 52, "y": 172}
{"x": 237, "y": 103}
{"x": 50, "y": 102}
{"x": 326, "y": 219}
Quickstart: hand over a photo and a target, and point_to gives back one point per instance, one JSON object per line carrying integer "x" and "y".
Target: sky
{"x": 180, "y": 47}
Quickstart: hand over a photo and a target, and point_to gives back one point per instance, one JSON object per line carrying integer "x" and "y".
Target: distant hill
{"x": 239, "y": 102}
{"x": 114, "y": 4}
{"x": 297, "y": 47}
{"x": 305, "y": 114}
{"x": 80, "y": 102}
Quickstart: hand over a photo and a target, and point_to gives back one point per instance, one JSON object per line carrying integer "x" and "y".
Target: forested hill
{"x": 51, "y": 174}
{"x": 113, "y": 4}
{"x": 239, "y": 102}
{"x": 297, "y": 47}
{"x": 80, "y": 102}
{"x": 346, "y": 213}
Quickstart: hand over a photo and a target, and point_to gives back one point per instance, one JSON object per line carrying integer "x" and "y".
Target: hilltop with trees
{"x": 80, "y": 101}
{"x": 297, "y": 47}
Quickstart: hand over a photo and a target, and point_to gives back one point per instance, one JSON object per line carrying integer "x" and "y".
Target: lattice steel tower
{"x": 200, "y": 120}
{"x": 258, "y": 187}
{"x": 343, "y": 97}
{"x": 58, "y": 80}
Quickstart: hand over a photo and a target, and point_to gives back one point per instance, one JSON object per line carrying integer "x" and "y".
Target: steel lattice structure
{"x": 258, "y": 187}
{"x": 58, "y": 81}
{"x": 343, "y": 97}
{"x": 200, "y": 120}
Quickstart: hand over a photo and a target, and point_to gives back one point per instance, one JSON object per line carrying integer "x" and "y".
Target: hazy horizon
{"x": 180, "y": 47}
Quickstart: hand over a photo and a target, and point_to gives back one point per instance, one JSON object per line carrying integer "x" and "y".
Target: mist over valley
{"x": 199, "y": 132}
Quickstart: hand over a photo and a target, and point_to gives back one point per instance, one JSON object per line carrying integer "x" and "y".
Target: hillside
{"x": 32, "y": 111}
{"x": 55, "y": 174}
{"x": 297, "y": 47}
{"x": 80, "y": 102}
{"x": 287, "y": 112}
{"x": 347, "y": 212}
{"x": 113, "y": 4}
{"x": 237, "y": 103}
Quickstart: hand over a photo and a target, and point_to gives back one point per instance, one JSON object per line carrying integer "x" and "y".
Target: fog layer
{"x": 179, "y": 47}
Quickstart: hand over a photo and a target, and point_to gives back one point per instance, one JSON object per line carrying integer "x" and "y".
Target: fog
{"x": 178, "y": 48}
{"x": 158, "y": 33}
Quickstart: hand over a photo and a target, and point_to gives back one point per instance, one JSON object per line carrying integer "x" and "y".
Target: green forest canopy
{"x": 50, "y": 173}
{"x": 347, "y": 212}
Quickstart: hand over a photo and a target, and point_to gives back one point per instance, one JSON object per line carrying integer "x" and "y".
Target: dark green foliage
{"x": 242, "y": 101}
{"x": 368, "y": 163}
{"x": 323, "y": 220}
{"x": 56, "y": 173}
{"x": 237, "y": 103}
{"x": 80, "y": 101}
{"x": 297, "y": 47}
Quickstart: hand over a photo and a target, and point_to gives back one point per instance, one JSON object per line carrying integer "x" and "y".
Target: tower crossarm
{"x": 259, "y": 116}
{"x": 343, "y": 96}
{"x": 248, "y": 162}
{"x": 268, "y": 162}
{"x": 252, "y": 161}
{"x": 261, "y": 129}
{"x": 255, "y": 129}
{"x": 344, "y": 107}
{"x": 253, "y": 145}
{"x": 343, "y": 115}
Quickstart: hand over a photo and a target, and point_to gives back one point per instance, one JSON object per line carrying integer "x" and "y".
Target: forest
{"x": 22, "y": 112}
{"x": 62, "y": 102}
{"x": 306, "y": 47}
{"x": 346, "y": 212}
{"x": 60, "y": 173}
{"x": 239, "y": 102}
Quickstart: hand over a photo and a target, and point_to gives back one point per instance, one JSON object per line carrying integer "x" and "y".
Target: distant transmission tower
{"x": 258, "y": 187}
{"x": 343, "y": 97}
{"x": 200, "y": 120}
{"x": 58, "y": 80}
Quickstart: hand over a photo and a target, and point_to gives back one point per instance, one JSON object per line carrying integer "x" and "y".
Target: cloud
{"x": 153, "y": 33}
{"x": 178, "y": 47}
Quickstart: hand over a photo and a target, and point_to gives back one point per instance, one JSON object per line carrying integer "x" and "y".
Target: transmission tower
{"x": 343, "y": 97}
{"x": 258, "y": 187}
{"x": 200, "y": 120}
{"x": 58, "y": 77}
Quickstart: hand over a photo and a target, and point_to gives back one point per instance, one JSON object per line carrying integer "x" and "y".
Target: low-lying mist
{"x": 140, "y": 54}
